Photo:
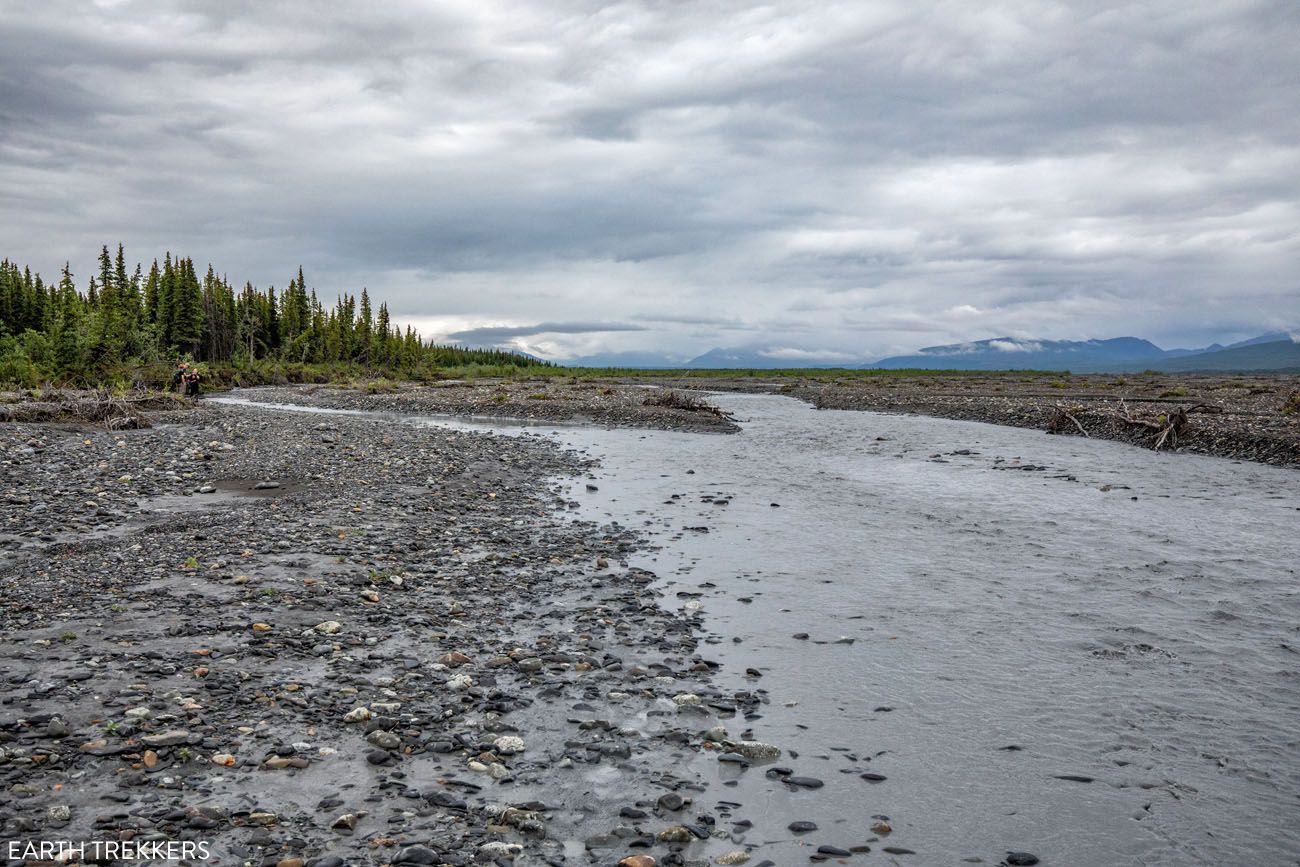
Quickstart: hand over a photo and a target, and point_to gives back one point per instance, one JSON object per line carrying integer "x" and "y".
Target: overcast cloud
{"x": 568, "y": 177}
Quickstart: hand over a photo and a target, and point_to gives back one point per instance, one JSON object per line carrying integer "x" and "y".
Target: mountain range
{"x": 1275, "y": 351}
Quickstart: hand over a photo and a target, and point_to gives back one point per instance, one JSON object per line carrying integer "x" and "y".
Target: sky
{"x": 817, "y": 180}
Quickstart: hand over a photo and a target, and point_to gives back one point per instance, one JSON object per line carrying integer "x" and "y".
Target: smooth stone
{"x": 834, "y": 851}
{"x": 167, "y": 739}
{"x": 671, "y": 802}
{"x": 674, "y": 834}
{"x": 638, "y": 861}
{"x": 417, "y": 855}
{"x": 384, "y": 740}
{"x": 755, "y": 750}
{"x": 804, "y": 782}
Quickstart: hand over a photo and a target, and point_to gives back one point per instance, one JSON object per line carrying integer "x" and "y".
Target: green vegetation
{"x": 131, "y": 327}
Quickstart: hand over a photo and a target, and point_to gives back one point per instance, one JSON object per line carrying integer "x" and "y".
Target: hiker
{"x": 178, "y": 377}
{"x": 192, "y": 383}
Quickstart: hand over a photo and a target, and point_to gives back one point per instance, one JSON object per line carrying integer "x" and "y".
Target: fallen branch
{"x": 1064, "y": 414}
{"x": 1166, "y": 429}
{"x": 116, "y": 412}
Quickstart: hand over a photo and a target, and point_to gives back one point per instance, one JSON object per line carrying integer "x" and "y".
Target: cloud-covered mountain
{"x": 1266, "y": 352}
{"x": 1010, "y": 353}
{"x": 1273, "y": 351}
{"x": 1276, "y": 355}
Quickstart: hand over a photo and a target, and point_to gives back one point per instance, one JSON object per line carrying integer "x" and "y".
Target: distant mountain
{"x": 1271, "y": 337}
{"x": 1273, "y": 351}
{"x": 1178, "y": 353}
{"x": 1011, "y": 353}
{"x": 1277, "y": 355}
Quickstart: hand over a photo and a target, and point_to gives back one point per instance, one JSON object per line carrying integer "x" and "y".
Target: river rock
{"x": 499, "y": 849}
{"x": 171, "y": 738}
{"x": 670, "y": 802}
{"x": 674, "y": 834}
{"x": 454, "y": 659}
{"x": 755, "y": 750}
{"x": 416, "y": 855}
{"x": 384, "y": 740}
{"x": 804, "y": 782}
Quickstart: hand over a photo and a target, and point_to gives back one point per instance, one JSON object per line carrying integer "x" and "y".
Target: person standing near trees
{"x": 192, "y": 383}
{"x": 178, "y": 377}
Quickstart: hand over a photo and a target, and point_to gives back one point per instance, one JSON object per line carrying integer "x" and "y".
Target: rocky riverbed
{"x": 342, "y": 640}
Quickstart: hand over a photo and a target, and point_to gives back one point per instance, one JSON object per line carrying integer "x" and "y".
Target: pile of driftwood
{"x": 94, "y": 406}
{"x": 1160, "y": 431}
{"x": 683, "y": 401}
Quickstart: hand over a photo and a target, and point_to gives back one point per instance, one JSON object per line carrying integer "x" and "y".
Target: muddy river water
{"x": 1053, "y": 645}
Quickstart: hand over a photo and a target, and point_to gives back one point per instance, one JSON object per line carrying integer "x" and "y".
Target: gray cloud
{"x": 855, "y": 177}
{"x": 494, "y": 335}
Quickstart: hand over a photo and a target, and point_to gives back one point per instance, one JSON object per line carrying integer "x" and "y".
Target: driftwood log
{"x": 99, "y": 406}
{"x": 1159, "y": 432}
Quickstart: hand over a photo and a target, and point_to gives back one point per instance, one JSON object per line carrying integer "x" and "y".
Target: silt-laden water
{"x": 1114, "y": 614}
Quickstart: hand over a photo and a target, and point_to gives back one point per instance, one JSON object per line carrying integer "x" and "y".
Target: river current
{"x": 1119, "y": 615}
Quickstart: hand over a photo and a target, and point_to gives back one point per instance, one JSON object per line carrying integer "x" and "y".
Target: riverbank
{"x": 1242, "y": 417}
{"x": 1252, "y": 417}
{"x": 327, "y": 640}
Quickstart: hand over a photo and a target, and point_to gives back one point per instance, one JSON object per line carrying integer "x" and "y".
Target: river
{"x": 1054, "y": 645}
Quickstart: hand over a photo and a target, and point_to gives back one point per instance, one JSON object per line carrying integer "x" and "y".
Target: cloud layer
{"x": 859, "y": 178}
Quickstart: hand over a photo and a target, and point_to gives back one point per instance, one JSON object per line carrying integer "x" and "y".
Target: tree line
{"x": 60, "y": 331}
